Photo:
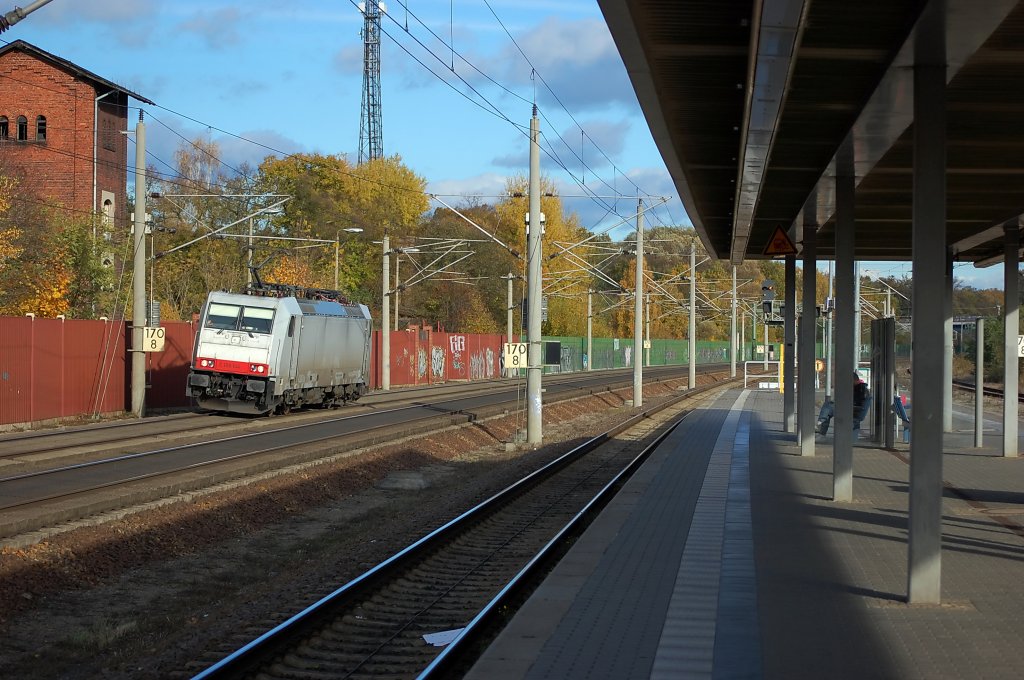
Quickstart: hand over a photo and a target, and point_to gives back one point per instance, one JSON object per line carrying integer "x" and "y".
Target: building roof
{"x": 21, "y": 45}
{"x": 750, "y": 100}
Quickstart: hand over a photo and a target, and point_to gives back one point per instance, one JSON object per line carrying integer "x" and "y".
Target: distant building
{"x": 61, "y": 130}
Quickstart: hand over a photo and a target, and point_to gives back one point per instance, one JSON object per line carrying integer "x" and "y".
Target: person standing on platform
{"x": 861, "y": 400}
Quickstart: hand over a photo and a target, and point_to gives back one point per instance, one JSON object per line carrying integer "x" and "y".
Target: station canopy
{"x": 749, "y": 101}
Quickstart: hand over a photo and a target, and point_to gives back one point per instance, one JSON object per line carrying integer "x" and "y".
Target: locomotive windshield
{"x": 257, "y": 319}
{"x": 222, "y": 317}
{"x": 237, "y": 318}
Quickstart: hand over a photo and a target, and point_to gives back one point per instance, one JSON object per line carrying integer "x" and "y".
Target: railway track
{"x": 452, "y": 582}
{"x": 41, "y": 448}
{"x": 66, "y": 492}
{"x": 987, "y": 390}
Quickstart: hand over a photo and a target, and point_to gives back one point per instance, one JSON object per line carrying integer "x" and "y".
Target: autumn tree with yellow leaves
{"x": 47, "y": 266}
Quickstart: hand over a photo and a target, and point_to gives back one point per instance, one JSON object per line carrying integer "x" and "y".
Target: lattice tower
{"x": 371, "y": 143}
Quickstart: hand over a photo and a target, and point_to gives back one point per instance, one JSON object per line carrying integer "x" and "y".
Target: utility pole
{"x": 590, "y": 329}
{"x": 638, "y": 310}
{"x": 647, "y": 331}
{"x": 139, "y": 274}
{"x": 743, "y": 336}
{"x": 509, "y": 308}
{"x": 693, "y": 315}
{"x": 385, "y": 317}
{"x": 248, "y": 267}
{"x": 398, "y": 260}
{"x": 509, "y": 372}
{"x": 534, "y": 368}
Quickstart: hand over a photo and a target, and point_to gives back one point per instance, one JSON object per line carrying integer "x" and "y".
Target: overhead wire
{"x": 488, "y": 106}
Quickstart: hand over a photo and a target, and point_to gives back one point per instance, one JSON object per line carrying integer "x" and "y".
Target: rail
{"x": 269, "y": 645}
{"x": 987, "y": 390}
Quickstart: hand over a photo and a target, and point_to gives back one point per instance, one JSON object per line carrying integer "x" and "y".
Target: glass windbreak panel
{"x": 221, "y": 316}
{"x": 257, "y": 319}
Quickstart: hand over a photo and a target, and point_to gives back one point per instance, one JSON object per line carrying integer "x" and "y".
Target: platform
{"x": 724, "y": 557}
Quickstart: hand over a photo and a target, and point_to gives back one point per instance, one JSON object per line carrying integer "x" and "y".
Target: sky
{"x": 458, "y": 83}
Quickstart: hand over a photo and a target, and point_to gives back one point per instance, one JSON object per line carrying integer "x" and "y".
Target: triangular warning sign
{"x": 779, "y": 244}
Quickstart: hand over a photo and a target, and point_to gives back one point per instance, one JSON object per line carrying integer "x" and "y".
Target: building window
{"x": 5, "y": 131}
{"x": 22, "y": 128}
{"x": 40, "y": 128}
{"x": 108, "y": 214}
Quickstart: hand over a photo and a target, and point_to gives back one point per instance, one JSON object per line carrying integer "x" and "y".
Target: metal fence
{"x": 58, "y": 369}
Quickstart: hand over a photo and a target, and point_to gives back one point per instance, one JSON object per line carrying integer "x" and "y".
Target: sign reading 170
{"x": 153, "y": 338}
{"x": 515, "y": 354}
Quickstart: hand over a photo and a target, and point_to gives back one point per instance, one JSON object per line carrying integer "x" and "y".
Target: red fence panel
{"x": 167, "y": 371}
{"x": 15, "y": 370}
{"x": 47, "y": 368}
{"x": 94, "y": 367}
{"x": 470, "y": 356}
{"x": 50, "y": 368}
{"x": 406, "y": 358}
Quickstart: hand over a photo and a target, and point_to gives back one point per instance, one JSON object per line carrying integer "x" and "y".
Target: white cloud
{"x": 576, "y": 62}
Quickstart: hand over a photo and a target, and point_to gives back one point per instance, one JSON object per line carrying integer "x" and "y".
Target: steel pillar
{"x": 924, "y": 567}
{"x": 805, "y": 411}
{"x": 638, "y": 311}
{"x": 692, "y": 332}
{"x": 788, "y": 352}
{"x": 1011, "y": 314}
{"x": 979, "y": 381}
{"x": 947, "y": 348}
{"x": 842, "y": 458}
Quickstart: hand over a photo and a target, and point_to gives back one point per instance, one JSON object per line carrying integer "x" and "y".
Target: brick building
{"x": 61, "y": 131}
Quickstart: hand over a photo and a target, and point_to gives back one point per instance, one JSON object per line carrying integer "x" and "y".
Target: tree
{"x": 48, "y": 266}
{"x": 328, "y": 195}
{"x": 565, "y": 283}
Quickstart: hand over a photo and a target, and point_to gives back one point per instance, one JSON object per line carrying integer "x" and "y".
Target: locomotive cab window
{"x": 222, "y": 317}
{"x": 257, "y": 319}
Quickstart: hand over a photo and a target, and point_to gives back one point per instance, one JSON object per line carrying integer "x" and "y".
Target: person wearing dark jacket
{"x": 861, "y": 400}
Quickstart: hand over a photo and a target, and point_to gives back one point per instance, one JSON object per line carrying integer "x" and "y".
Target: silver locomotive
{"x": 280, "y": 348}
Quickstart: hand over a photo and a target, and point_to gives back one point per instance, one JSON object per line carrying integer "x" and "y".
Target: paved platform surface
{"x": 725, "y": 557}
